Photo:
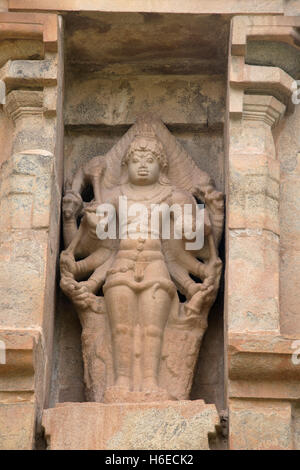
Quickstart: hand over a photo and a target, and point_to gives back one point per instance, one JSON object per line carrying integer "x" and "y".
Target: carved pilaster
{"x": 253, "y": 217}
{"x": 26, "y": 110}
{"x": 262, "y": 377}
{"x": 29, "y": 232}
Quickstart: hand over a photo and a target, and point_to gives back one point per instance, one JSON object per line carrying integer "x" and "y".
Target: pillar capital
{"x": 263, "y": 108}
{"x": 21, "y": 103}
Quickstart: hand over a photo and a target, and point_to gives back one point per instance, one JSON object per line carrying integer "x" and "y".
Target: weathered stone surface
{"x": 17, "y": 426}
{"x": 21, "y": 387}
{"x": 132, "y": 44}
{"x": 31, "y": 26}
{"x": 193, "y": 102}
{"x": 17, "y": 372}
{"x": 253, "y": 305}
{"x": 169, "y": 425}
{"x": 268, "y": 28}
{"x": 192, "y": 6}
{"x": 296, "y": 425}
{"x": 6, "y": 134}
{"x": 274, "y": 54}
{"x": 263, "y": 366}
{"x": 260, "y": 425}
{"x": 20, "y": 49}
{"x": 29, "y": 73}
{"x": 289, "y": 157}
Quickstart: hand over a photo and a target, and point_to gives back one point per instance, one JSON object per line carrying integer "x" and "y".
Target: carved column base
{"x": 169, "y": 425}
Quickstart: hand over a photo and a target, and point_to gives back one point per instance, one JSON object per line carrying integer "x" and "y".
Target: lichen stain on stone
{"x": 161, "y": 429}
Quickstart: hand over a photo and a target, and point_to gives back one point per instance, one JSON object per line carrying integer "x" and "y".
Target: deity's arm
{"x": 214, "y": 203}
{"x": 178, "y": 267}
{"x": 79, "y": 181}
{"x": 90, "y": 173}
{"x": 69, "y": 230}
{"x": 182, "y": 262}
{"x": 97, "y": 279}
{"x": 86, "y": 252}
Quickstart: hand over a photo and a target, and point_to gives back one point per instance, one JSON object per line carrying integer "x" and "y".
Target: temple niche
{"x": 119, "y": 67}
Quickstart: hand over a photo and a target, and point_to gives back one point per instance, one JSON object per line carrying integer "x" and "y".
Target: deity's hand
{"x": 211, "y": 285}
{"x": 201, "y": 286}
{"x": 200, "y": 298}
{"x": 67, "y": 264}
{"x": 212, "y": 198}
{"x": 79, "y": 294}
{"x": 212, "y": 270}
{"x": 67, "y": 284}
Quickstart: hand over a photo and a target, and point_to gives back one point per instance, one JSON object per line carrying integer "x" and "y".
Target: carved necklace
{"x": 157, "y": 194}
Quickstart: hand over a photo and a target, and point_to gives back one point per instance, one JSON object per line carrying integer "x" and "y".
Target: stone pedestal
{"x": 166, "y": 425}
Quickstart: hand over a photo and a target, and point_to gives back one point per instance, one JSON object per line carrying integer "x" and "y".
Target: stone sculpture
{"x": 139, "y": 341}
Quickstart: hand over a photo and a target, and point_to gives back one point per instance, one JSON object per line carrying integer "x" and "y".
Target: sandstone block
{"x": 17, "y": 426}
{"x": 130, "y": 426}
{"x": 260, "y": 425}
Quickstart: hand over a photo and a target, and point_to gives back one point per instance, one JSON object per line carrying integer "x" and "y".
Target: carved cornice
{"x": 263, "y": 108}
{"x": 17, "y": 368}
{"x": 260, "y": 79}
{"x": 37, "y": 73}
{"x": 163, "y": 6}
{"x": 253, "y": 79}
{"x": 263, "y": 365}
{"x": 267, "y": 28}
{"x": 30, "y": 73}
{"x": 30, "y": 26}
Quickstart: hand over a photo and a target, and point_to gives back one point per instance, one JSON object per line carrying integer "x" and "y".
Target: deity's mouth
{"x": 143, "y": 173}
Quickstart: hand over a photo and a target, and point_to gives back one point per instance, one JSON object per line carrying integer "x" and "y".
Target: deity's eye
{"x": 150, "y": 160}
{"x": 135, "y": 160}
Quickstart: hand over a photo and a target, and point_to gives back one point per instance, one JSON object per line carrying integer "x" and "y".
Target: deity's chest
{"x": 137, "y": 217}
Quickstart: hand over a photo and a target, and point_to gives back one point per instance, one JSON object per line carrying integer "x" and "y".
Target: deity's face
{"x": 143, "y": 168}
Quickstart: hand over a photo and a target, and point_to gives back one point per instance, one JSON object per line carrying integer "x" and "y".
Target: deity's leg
{"x": 121, "y": 305}
{"x": 154, "y": 308}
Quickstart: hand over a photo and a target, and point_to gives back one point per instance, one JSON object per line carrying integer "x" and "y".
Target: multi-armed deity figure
{"x": 140, "y": 343}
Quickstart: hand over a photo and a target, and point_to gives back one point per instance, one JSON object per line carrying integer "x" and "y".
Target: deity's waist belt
{"x": 140, "y": 256}
{"x": 165, "y": 284}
